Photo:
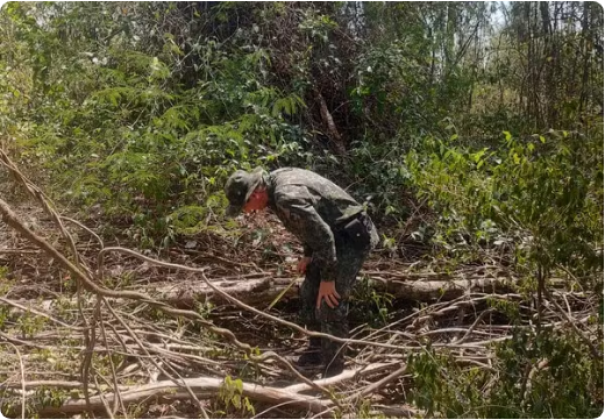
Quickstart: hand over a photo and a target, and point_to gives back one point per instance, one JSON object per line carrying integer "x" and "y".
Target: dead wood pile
{"x": 135, "y": 351}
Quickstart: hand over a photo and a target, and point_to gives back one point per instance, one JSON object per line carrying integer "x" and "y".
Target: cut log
{"x": 206, "y": 388}
{"x": 261, "y": 292}
{"x": 202, "y": 387}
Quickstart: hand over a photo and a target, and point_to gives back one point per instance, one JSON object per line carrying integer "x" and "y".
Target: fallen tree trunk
{"x": 202, "y": 388}
{"x": 205, "y": 387}
{"x": 261, "y": 292}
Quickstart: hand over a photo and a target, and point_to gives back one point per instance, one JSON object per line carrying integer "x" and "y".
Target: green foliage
{"x": 4, "y": 315}
{"x": 230, "y": 395}
{"x": 364, "y": 411}
{"x": 137, "y": 113}
{"x": 542, "y": 196}
{"x": 550, "y": 374}
{"x": 382, "y": 181}
{"x": 441, "y": 388}
{"x": 42, "y": 397}
{"x": 30, "y": 324}
{"x": 539, "y": 199}
{"x": 369, "y": 305}
{"x": 543, "y": 360}
{"x": 116, "y": 127}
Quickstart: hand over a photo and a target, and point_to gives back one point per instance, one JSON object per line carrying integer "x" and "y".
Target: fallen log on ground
{"x": 261, "y": 292}
{"x": 203, "y": 387}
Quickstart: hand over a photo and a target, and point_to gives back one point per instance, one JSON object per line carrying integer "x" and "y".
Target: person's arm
{"x": 301, "y": 218}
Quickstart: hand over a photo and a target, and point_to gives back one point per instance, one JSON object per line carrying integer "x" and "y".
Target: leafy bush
{"x": 539, "y": 375}
{"x": 120, "y": 130}
{"x": 541, "y": 196}
{"x": 142, "y": 111}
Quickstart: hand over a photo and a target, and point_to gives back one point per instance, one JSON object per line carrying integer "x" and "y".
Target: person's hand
{"x": 302, "y": 264}
{"x": 327, "y": 292}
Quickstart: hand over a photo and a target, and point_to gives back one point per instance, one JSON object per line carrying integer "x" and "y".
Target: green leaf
{"x": 477, "y": 156}
{"x": 276, "y": 108}
{"x": 239, "y": 385}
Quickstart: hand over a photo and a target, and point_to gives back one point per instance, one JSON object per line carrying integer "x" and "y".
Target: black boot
{"x": 311, "y": 357}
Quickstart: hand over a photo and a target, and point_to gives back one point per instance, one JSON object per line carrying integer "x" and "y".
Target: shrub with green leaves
{"x": 550, "y": 374}
{"x": 542, "y": 196}
{"x": 118, "y": 128}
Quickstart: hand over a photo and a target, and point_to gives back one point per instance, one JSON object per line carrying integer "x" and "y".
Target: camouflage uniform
{"x": 316, "y": 210}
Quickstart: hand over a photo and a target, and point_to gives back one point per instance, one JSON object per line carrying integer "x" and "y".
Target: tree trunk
{"x": 328, "y": 121}
{"x": 262, "y": 291}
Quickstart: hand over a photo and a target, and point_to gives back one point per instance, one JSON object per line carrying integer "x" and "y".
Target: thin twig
{"x": 472, "y": 327}
{"x": 118, "y": 399}
{"x": 40, "y": 313}
{"x": 83, "y": 226}
{"x": 376, "y": 385}
{"x": 593, "y": 350}
{"x": 22, "y": 367}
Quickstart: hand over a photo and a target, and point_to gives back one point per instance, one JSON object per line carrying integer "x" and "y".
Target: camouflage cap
{"x": 239, "y": 187}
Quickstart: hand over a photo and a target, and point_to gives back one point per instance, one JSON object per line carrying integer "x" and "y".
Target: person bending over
{"x": 337, "y": 236}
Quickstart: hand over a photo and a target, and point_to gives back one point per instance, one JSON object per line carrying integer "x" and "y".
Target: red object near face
{"x": 258, "y": 200}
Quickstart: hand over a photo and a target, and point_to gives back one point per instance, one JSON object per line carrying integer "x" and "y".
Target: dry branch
{"x": 202, "y": 387}
{"x": 142, "y": 342}
{"x": 260, "y": 292}
{"x": 345, "y": 375}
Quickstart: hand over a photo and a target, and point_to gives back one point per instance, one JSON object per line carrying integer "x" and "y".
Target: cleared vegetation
{"x": 472, "y": 132}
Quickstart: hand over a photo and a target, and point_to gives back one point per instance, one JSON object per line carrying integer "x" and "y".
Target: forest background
{"x": 471, "y": 131}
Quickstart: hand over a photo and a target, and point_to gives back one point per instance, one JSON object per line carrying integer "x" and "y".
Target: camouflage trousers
{"x": 333, "y": 321}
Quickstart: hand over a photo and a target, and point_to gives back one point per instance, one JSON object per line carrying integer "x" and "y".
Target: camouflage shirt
{"x": 311, "y": 207}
